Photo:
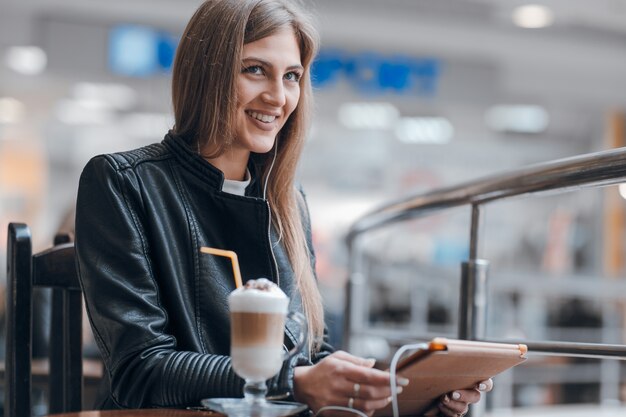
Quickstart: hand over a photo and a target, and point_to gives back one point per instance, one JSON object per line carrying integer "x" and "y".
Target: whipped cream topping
{"x": 259, "y": 295}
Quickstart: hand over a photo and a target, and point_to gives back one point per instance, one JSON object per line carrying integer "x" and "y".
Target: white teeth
{"x": 262, "y": 117}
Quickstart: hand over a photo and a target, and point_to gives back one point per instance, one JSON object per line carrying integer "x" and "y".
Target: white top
{"x": 237, "y": 187}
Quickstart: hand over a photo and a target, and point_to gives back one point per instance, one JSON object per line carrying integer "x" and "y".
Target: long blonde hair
{"x": 204, "y": 91}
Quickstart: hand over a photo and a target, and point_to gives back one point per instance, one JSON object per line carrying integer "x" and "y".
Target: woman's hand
{"x": 456, "y": 403}
{"x": 343, "y": 380}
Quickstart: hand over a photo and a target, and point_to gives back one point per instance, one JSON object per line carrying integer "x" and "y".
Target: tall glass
{"x": 258, "y": 313}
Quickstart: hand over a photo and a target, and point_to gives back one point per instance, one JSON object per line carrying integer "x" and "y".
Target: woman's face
{"x": 268, "y": 90}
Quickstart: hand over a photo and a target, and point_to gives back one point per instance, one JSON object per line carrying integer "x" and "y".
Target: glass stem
{"x": 255, "y": 391}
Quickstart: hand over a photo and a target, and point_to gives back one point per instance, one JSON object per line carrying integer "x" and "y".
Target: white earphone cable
{"x": 267, "y": 178}
{"x": 392, "y": 371}
{"x": 338, "y": 408}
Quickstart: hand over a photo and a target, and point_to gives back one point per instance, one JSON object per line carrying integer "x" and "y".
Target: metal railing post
{"x": 355, "y": 318}
{"x": 349, "y": 306}
{"x": 473, "y": 300}
{"x": 473, "y": 296}
{"x": 473, "y": 291}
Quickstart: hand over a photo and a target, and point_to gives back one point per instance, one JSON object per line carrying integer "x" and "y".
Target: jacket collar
{"x": 183, "y": 150}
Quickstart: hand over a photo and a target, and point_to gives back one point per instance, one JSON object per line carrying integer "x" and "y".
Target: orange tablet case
{"x": 447, "y": 365}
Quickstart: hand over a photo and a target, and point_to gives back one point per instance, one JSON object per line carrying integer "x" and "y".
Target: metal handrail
{"x": 583, "y": 171}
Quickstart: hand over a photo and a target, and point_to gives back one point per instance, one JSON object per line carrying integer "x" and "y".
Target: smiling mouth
{"x": 265, "y": 118}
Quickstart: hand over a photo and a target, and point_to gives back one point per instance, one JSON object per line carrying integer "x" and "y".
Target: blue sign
{"x": 375, "y": 73}
{"x": 140, "y": 51}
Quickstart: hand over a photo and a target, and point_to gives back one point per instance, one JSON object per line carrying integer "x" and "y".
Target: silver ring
{"x": 357, "y": 388}
{"x": 351, "y": 402}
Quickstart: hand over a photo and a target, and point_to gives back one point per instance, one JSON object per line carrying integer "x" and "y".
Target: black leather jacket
{"x": 157, "y": 305}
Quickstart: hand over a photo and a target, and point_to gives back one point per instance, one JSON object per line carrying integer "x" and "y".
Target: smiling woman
{"x": 227, "y": 67}
{"x": 223, "y": 177}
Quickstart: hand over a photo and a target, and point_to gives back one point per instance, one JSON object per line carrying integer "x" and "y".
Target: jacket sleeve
{"x": 124, "y": 303}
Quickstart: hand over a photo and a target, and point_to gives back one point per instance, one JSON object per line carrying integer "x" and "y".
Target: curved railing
{"x": 585, "y": 171}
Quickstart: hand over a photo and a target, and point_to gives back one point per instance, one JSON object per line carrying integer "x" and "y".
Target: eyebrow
{"x": 269, "y": 64}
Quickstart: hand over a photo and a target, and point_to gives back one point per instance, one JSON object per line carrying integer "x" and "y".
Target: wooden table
{"x": 155, "y": 412}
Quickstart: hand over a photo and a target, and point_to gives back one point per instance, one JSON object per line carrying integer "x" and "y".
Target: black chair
{"x": 55, "y": 268}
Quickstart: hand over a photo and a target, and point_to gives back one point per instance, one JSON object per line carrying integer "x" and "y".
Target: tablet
{"x": 447, "y": 365}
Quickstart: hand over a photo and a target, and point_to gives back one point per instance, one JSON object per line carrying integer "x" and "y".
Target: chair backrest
{"x": 55, "y": 268}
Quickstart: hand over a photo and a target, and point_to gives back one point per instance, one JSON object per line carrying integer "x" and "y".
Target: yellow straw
{"x": 233, "y": 258}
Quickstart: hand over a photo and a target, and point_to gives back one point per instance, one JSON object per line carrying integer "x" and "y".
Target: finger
{"x": 485, "y": 386}
{"x": 365, "y": 376}
{"x": 339, "y": 370}
{"x": 451, "y": 412}
{"x": 455, "y": 402}
{"x": 467, "y": 396}
{"x": 340, "y": 354}
{"x": 368, "y": 406}
{"x": 369, "y": 392}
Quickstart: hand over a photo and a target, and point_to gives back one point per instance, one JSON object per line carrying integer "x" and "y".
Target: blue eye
{"x": 253, "y": 69}
{"x": 293, "y": 76}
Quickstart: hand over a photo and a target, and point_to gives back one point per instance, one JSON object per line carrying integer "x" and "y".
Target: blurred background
{"x": 411, "y": 95}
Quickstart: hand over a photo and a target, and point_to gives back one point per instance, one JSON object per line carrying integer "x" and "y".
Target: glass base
{"x": 239, "y": 407}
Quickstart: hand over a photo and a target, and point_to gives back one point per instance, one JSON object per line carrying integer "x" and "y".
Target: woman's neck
{"x": 232, "y": 163}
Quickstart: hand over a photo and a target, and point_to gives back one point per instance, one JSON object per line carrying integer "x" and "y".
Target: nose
{"x": 274, "y": 94}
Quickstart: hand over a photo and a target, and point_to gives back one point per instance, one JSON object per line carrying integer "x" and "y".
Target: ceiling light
{"x": 533, "y": 16}
{"x": 146, "y": 125}
{"x": 517, "y": 118}
{"x": 431, "y": 130}
{"x": 27, "y": 60}
{"x": 115, "y": 96}
{"x": 82, "y": 112}
{"x": 11, "y": 110}
{"x": 368, "y": 115}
